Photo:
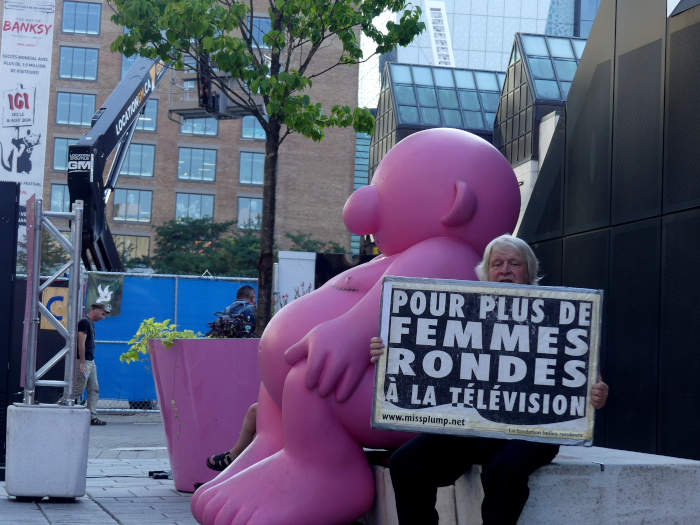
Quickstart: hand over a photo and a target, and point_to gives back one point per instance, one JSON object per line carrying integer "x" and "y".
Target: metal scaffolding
{"x": 38, "y": 220}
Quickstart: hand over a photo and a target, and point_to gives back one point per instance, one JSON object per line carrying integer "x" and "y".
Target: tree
{"x": 53, "y": 255}
{"x": 193, "y": 246}
{"x": 224, "y": 34}
{"x": 305, "y": 243}
{"x": 190, "y": 246}
{"x": 241, "y": 251}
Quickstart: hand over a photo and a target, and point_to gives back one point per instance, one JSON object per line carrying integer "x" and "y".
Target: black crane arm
{"x": 112, "y": 127}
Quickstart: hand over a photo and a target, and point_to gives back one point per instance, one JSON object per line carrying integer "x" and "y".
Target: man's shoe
{"x": 97, "y": 421}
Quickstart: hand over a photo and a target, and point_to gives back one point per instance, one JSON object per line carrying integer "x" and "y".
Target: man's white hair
{"x": 533, "y": 265}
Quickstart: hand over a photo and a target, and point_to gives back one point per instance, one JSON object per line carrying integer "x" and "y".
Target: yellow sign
{"x": 55, "y": 299}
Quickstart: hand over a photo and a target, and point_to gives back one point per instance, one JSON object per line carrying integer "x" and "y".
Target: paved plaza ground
{"x": 119, "y": 490}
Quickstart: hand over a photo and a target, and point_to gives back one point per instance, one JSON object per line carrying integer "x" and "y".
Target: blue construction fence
{"x": 188, "y": 301}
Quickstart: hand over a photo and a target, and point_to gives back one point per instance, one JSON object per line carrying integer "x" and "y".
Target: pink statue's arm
{"x": 336, "y": 350}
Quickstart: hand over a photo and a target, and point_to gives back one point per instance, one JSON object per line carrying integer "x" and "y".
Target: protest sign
{"x": 487, "y": 359}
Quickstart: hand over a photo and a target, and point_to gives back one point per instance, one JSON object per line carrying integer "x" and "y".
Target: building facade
{"x": 617, "y": 207}
{"x": 195, "y": 168}
{"x": 478, "y": 34}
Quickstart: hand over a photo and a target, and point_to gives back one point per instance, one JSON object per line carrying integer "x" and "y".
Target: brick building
{"x": 196, "y": 168}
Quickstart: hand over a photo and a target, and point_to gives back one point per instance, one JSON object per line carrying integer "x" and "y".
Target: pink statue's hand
{"x": 333, "y": 361}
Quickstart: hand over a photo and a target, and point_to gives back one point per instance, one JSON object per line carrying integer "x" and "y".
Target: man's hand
{"x": 83, "y": 367}
{"x": 376, "y": 349}
{"x": 599, "y": 394}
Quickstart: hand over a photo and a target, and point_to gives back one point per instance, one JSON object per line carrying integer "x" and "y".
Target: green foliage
{"x": 53, "y": 255}
{"x": 240, "y": 252}
{"x": 279, "y": 68}
{"x": 152, "y": 329}
{"x": 190, "y": 246}
{"x": 193, "y": 246}
{"x": 131, "y": 263}
{"x": 305, "y": 243}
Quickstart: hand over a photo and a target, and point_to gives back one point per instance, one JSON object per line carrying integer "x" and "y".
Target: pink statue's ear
{"x": 463, "y": 205}
{"x": 361, "y": 211}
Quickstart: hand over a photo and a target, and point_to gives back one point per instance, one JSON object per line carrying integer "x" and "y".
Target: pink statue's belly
{"x": 291, "y": 324}
{"x": 295, "y": 320}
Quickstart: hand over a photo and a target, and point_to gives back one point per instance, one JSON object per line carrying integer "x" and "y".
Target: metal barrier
{"x": 188, "y": 301}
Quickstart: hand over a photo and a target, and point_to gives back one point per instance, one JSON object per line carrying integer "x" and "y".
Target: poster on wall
{"x": 105, "y": 288}
{"x": 27, "y": 39}
{"x": 487, "y": 359}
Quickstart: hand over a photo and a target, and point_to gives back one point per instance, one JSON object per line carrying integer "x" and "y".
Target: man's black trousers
{"x": 430, "y": 461}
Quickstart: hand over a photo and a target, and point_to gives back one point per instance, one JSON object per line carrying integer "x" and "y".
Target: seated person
{"x": 219, "y": 462}
{"x": 430, "y": 461}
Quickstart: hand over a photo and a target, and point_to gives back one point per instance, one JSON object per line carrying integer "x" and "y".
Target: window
{"x": 74, "y": 109}
{"x": 139, "y": 160}
{"x": 251, "y": 128}
{"x": 261, "y": 25}
{"x": 190, "y": 64}
{"x": 78, "y": 63}
{"x": 193, "y": 206}
{"x": 252, "y": 168}
{"x": 60, "y": 198}
{"x": 149, "y": 119}
{"x": 60, "y": 153}
{"x": 127, "y": 62}
{"x": 196, "y": 164}
{"x": 81, "y": 17}
{"x": 132, "y": 205}
{"x": 249, "y": 213}
{"x": 200, "y": 126}
{"x": 132, "y": 246}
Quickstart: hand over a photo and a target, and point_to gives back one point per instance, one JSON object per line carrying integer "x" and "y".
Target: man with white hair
{"x": 430, "y": 461}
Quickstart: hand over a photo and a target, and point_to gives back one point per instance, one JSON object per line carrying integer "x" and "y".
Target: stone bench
{"x": 582, "y": 486}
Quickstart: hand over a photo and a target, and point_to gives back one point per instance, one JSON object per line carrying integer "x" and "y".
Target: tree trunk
{"x": 267, "y": 228}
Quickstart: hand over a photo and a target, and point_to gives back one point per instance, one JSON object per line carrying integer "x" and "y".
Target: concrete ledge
{"x": 581, "y": 486}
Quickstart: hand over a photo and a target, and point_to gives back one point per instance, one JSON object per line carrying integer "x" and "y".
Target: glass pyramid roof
{"x": 551, "y": 62}
{"x": 430, "y": 96}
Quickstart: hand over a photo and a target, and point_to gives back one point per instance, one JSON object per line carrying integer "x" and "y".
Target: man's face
{"x": 98, "y": 314}
{"x": 507, "y": 265}
{"x": 251, "y": 299}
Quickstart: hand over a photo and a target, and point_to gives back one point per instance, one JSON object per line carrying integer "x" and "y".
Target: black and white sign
{"x": 488, "y": 359}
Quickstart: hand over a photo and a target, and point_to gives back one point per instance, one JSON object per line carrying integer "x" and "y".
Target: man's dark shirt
{"x": 245, "y": 310}
{"x": 86, "y": 326}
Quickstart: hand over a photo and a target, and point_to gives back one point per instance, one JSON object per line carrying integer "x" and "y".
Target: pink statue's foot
{"x": 284, "y": 490}
{"x": 259, "y": 449}
{"x": 267, "y": 441}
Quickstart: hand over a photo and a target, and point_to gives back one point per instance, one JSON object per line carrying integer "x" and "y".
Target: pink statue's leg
{"x": 320, "y": 477}
{"x": 268, "y": 440}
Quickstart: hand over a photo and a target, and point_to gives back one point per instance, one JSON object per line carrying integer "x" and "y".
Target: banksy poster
{"x": 487, "y": 359}
{"x": 27, "y": 37}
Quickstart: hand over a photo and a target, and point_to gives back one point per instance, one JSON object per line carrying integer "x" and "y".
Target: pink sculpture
{"x": 437, "y": 198}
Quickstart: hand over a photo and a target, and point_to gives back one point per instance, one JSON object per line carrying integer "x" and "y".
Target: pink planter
{"x": 204, "y": 387}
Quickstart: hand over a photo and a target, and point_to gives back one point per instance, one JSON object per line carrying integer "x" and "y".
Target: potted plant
{"x": 204, "y": 387}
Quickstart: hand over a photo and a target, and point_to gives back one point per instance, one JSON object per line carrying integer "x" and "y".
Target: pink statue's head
{"x": 437, "y": 182}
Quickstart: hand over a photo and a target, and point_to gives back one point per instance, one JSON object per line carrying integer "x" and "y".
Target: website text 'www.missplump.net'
{"x": 424, "y": 420}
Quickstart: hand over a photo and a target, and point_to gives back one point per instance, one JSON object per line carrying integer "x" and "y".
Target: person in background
{"x": 430, "y": 461}
{"x": 242, "y": 308}
{"x": 85, "y": 370}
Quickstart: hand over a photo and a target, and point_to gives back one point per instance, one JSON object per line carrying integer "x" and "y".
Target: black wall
{"x": 617, "y": 207}
{"x": 9, "y": 207}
